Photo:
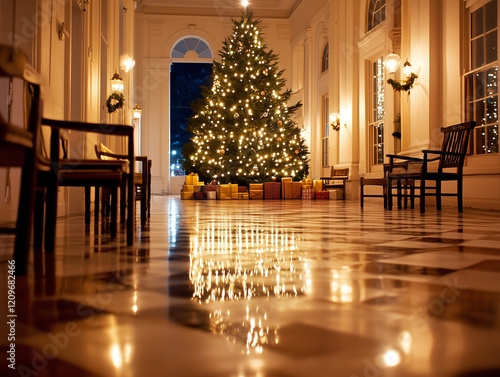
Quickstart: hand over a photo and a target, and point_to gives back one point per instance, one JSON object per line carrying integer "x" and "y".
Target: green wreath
{"x": 408, "y": 83}
{"x": 118, "y": 102}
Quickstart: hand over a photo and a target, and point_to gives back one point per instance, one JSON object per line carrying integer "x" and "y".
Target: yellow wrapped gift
{"x": 187, "y": 195}
{"x": 296, "y": 190}
{"x": 188, "y": 188}
{"x": 223, "y": 192}
{"x": 286, "y": 188}
{"x": 192, "y": 179}
{"x": 242, "y": 195}
{"x": 307, "y": 187}
{"x": 256, "y": 194}
{"x": 234, "y": 190}
{"x": 307, "y": 181}
{"x": 318, "y": 185}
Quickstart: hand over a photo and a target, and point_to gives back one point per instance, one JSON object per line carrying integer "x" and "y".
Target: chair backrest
{"x": 339, "y": 172}
{"x": 455, "y": 140}
{"x": 14, "y": 65}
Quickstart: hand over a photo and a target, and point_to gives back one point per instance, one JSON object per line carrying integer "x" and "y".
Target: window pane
{"x": 477, "y": 23}
{"x": 491, "y": 16}
{"x": 479, "y": 85}
{"x": 479, "y": 116}
{"x": 491, "y": 47}
{"x": 480, "y": 141}
{"x": 492, "y": 132}
{"x": 477, "y": 52}
{"x": 492, "y": 110}
{"x": 491, "y": 81}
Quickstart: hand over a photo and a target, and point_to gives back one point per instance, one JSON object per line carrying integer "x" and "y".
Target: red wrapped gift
{"x": 272, "y": 190}
{"x": 308, "y": 193}
{"x": 200, "y": 195}
{"x": 242, "y": 189}
{"x": 322, "y": 195}
{"x": 210, "y": 187}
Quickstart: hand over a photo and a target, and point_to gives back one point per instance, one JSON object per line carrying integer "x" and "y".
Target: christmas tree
{"x": 242, "y": 127}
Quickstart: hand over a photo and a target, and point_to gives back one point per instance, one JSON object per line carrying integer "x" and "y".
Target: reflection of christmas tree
{"x": 242, "y": 127}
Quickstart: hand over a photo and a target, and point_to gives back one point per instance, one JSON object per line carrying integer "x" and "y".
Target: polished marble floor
{"x": 263, "y": 289}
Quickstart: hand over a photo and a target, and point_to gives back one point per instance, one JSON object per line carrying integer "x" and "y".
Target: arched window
{"x": 193, "y": 44}
{"x": 376, "y": 13}
{"x": 324, "y": 59}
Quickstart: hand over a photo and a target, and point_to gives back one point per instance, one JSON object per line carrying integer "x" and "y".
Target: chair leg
{"x": 422, "y": 196}
{"x": 399, "y": 194}
{"x": 389, "y": 194}
{"x": 114, "y": 210}
{"x": 24, "y": 224}
{"x": 460, "y": 195}
{"x": 51, "y": 214}
{"x": 361, "y": 187}
{"x": 87, "y": 205}
{"x": 438, "y": 195}
{"x": 97, "y": 201}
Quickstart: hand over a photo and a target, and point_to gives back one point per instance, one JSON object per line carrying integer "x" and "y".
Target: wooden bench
{"x": 336, "y": 180}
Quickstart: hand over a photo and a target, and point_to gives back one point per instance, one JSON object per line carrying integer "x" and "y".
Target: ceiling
{"x": 224, "y": 8}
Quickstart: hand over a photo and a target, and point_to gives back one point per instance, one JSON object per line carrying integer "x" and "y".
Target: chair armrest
{"x": 407, "y": 158}
{"x": 442, "y": 153}
{"x": 100, "y": 128}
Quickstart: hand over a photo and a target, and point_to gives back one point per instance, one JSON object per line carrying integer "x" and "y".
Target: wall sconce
{"x": 116, "y": 83}
{"x": 335, "y": 121}
{"x": 62, "y": 32}
{"x": 137, "y": 111}
{"x": 126, "y": 63}
{"x": 245, "y": 3}
{"x": 392, "y": 62}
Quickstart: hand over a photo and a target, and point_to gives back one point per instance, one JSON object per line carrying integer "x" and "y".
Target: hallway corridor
{"x": 264, "y": 289}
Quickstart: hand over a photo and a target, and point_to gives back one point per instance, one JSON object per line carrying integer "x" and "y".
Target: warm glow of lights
{"x": 390, "y": 358}
{"x": 116, "y": 83}
{"x": 126, "y": 63}
{"x": 392, "y": 62}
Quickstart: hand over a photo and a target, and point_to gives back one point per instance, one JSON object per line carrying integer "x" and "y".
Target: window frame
{"x": 376, "y": 123}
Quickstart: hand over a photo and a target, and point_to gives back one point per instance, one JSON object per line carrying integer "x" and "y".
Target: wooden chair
{"x": 142, "y": 183}
{"x": 450, "y": 157}
{"x": 88, "y": 173}
{"x": 382, "y": 182}
{"x": 336, "y": 175}
{"x": 20, "y": 145}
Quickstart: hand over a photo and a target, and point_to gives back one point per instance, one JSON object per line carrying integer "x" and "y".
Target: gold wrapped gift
{"x": 223, "y": 192}
{"x": 187, "y": 195}
{"x": 307, "y": 187}
{"x": 296, "y": 190}
{"x": 197, "y": 188}
{"x": 318, "y": 185}
{"x": 234, "y": 190}
{"x": 256, "y": 194}
{"x": 255, "y": 186}
{"x": 307, "y": 181}
{"x": 286, "y": 188}
{"x": 188, "y": 188}
{"x": 242, "y": 195}
{"x": 192, "y": 179}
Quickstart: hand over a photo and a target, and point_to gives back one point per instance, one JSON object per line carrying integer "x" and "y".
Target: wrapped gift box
{"x": 318, "y": 185}
{"x": 187, "y": 195}
{"x": 256, "y": 194}
{"x": 197, "y": 188}
{"x": 188, "y": 188}
{"x": 234, "y": 190}
{"x": 286, "y": 188}
{"x": 307, "y": 181}
{"x": 296, "y": 190}
{"x": 242, "y": 189}
{"x": 223, "y": 192}
{"x": 210, "y": 187}
{"x": 335, "y": 194}
{"x": 322, "y": 195}
{"x": 211, "y": 195}
{"x": 272, "y": 190}
{"x": 308, "y": 193}
{"x": 200, "y": 195}
{"x": 307, "y": 187}
{"x": 192, "y": 179}
{"x": 242, "y": 195}
{"x": 255, "y": 186}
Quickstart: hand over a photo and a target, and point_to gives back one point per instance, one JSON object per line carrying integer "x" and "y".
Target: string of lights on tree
{"x": 243, "y": 128}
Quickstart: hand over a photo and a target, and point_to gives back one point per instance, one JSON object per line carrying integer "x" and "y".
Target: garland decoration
{"x": 406, "y": 85}
{"x": 115, "y": 102}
